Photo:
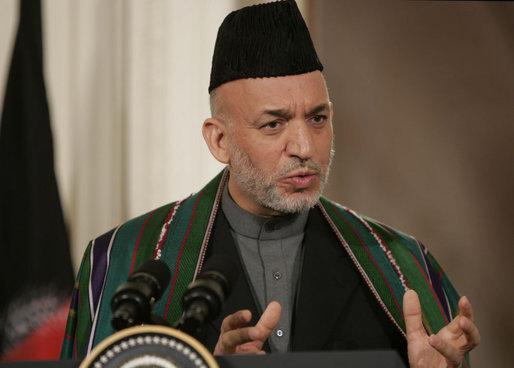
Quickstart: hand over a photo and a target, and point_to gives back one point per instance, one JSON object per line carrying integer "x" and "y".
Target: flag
{"x": 36, "y": 274}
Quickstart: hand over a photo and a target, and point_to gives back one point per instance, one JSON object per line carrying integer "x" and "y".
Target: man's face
{"x": 279, "y": 137}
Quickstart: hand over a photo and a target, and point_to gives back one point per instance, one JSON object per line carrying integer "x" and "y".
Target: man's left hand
{"x": 447, "y": 348}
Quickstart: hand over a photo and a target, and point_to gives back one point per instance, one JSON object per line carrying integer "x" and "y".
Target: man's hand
{"x": 447, "y": 348}
{"x": 236, "y": 339}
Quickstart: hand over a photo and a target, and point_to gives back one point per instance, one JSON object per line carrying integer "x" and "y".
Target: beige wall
{"x": 125, "y": 79}
{"x": 424, "y": 122}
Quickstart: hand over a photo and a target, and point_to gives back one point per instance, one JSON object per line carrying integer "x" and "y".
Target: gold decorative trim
{"x": 149, "y": 329}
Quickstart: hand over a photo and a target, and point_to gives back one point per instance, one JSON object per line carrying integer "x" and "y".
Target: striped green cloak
{"x": 389, "y": 261}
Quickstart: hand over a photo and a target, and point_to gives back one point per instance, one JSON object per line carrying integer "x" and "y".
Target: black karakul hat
{"x": 263, "y": 40}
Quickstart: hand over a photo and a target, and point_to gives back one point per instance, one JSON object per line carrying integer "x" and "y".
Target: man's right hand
{"x": 236, "y": 339}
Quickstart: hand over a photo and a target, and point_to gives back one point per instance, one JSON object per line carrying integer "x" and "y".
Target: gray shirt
{"x": 270, "y": 249}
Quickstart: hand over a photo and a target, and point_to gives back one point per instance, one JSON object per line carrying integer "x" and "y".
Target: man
{"x": 314, "y": 275}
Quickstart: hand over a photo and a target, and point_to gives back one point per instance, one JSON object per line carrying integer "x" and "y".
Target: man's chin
{"x": 311, "y": 193}
{"x": 294, "y": 202}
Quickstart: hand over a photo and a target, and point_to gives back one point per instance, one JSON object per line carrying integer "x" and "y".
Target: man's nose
{"x": 299, "y": 140}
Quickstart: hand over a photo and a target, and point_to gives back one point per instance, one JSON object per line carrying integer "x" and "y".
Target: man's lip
{"x": 301, "y": 180}
{"x": 301, "y": 173}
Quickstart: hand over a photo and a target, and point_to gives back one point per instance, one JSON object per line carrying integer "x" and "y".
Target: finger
{"x": 266, "y": 323}
{"x": 230, "y": 340}
{"x": 452, "y": 330}
{"x": 236, "y": 320}
{"x": 460, "y": 325}
{"x": 465, "y": 308}
{"x": 423, "y": 364}
{"x": 269, "y": 319}
{"x": 452, "y": 355}
{"x": 412, "y": 314}
{"x": 246, "y": 340}
{"x": 252, "y": 347}
{"x": 471, "y": 332}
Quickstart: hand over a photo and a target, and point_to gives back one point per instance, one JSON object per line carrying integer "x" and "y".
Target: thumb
{"x": 412, "y": 315}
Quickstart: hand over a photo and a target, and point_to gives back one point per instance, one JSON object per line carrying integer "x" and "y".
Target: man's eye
{"x": 271, "y": 125}
{"x": 319, "y": 118}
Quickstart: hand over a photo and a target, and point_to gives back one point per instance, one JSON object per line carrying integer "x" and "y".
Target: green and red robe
{"x": 389, "y": 261}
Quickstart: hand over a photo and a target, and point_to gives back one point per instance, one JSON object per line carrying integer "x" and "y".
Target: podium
{"x": 343, "y": 359}
{"x": 165, "y": 347}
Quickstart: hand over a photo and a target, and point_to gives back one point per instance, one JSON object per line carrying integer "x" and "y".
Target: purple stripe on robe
{"x": 74, "y": 305}
{"x": 99, "y": 266}
{"x": 436, "y": 283}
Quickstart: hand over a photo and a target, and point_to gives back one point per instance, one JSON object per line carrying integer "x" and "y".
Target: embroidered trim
{"x": 212, "y": 217}
{"x": 384, "y": 247}
{"x": 358, "y": 265}
{"x": 179, "y": 258}
{"x": 164, "y": 230}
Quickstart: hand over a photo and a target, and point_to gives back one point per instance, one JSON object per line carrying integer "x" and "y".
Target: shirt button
{"x": 280, "y": 333}
{"x": 277, "y": 275}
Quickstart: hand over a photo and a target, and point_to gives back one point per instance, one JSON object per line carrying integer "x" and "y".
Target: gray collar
{"x": 263, "y": 228}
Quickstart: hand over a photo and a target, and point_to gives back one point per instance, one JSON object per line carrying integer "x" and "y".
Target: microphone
{"x": 204, "y": 297}
{"x": 133, "y": 301}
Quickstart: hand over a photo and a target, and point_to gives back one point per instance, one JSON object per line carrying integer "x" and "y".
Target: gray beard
{"x": 264, "y": 191}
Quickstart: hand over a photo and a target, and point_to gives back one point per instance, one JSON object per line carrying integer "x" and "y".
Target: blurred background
{"x": 423, "y": 95}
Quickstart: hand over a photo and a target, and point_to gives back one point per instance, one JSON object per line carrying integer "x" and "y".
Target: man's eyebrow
{"x": 279, "y": 113}
{"x": 324, "y": 107}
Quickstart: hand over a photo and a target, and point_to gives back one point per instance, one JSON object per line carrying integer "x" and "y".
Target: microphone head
{"x": 204, "y": 297}
{"x": 157, "y": 271}
{"x": 219, "y": 266}
{"x": 133, "y": 301}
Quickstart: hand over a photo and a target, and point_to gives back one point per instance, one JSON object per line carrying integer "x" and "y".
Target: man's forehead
{"x": 274, "y": 92}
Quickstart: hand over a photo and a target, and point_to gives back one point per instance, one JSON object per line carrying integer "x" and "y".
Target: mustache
{"x": 300, "y": 164}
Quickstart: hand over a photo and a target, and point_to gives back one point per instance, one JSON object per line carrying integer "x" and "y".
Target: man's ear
{"x": 215, "y": 135}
